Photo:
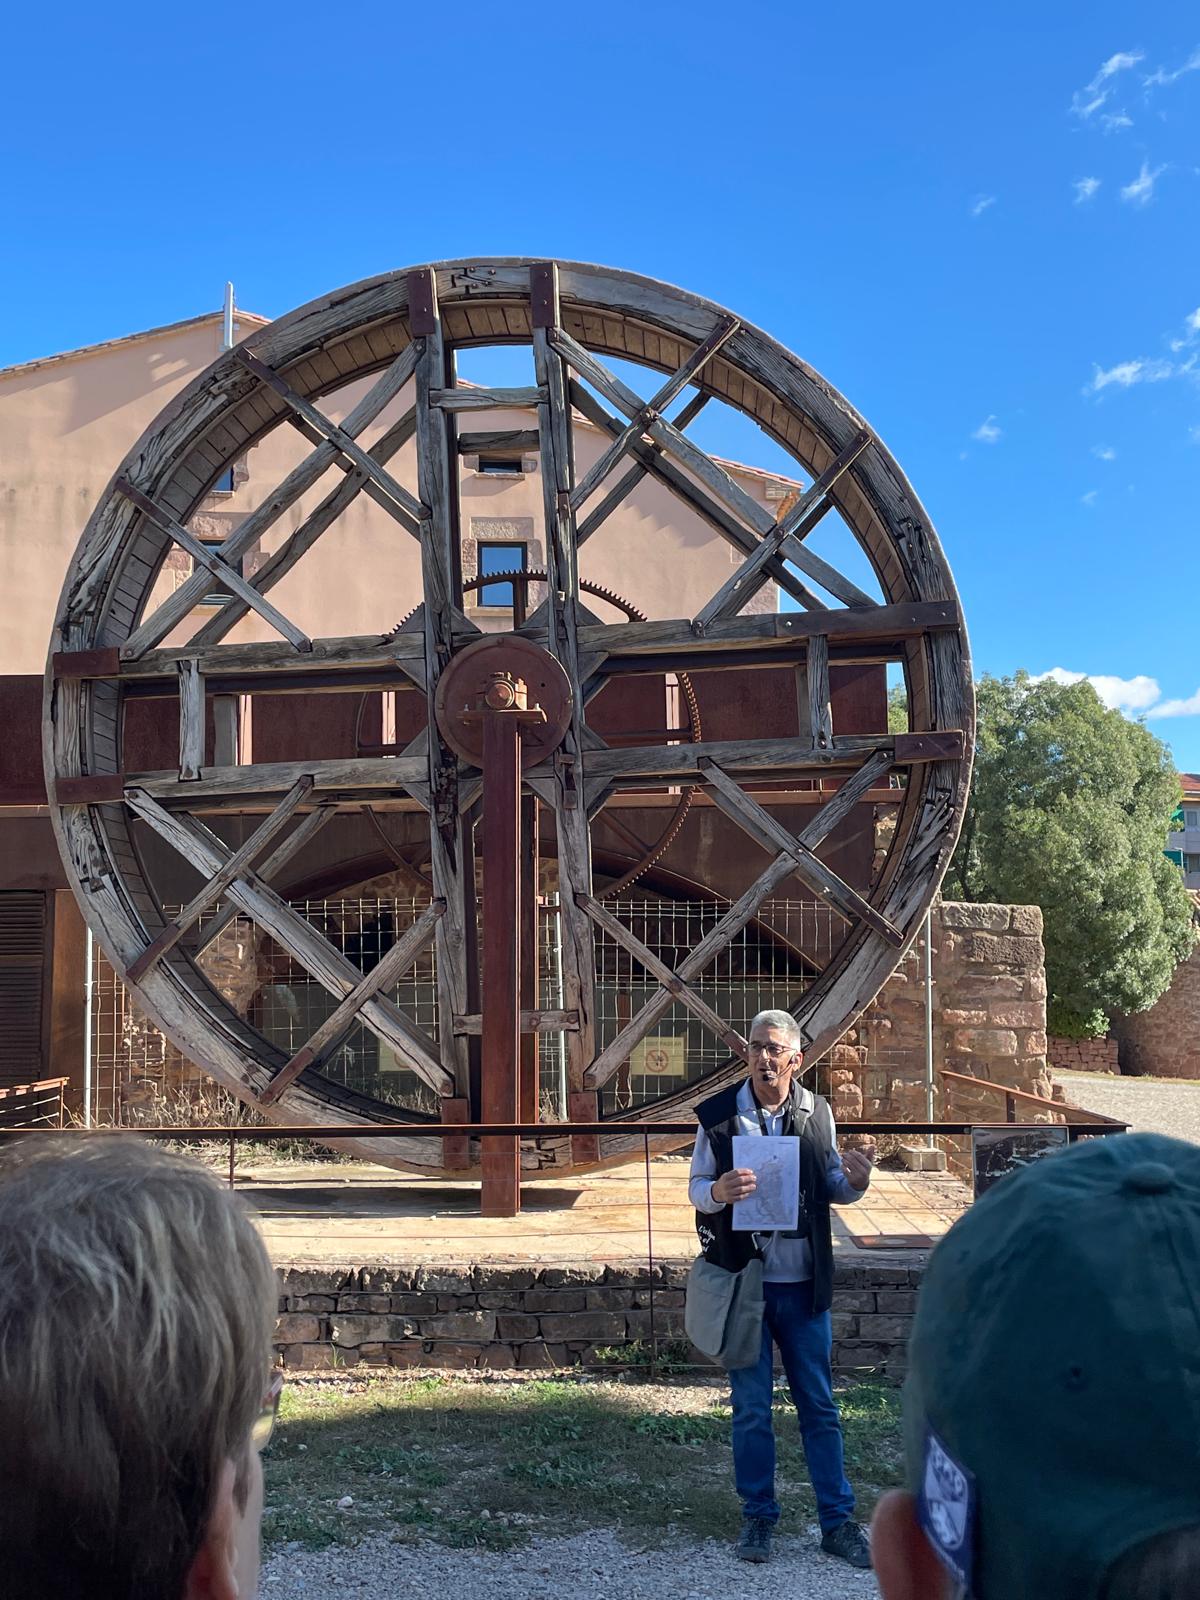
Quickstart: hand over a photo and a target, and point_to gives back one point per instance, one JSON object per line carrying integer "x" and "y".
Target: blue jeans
{"x": 805, "y": 1342}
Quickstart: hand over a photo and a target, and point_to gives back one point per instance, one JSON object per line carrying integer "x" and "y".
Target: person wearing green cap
{"x": 1052, "y": 1405}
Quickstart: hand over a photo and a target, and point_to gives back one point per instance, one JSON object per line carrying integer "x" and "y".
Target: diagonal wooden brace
{"x": 675, "y": 986}
{"x": 629, "y": 482}
{"x": 741, "y": 586}
{"x": 772, "y": 835}
{"x": 303, "y": 833}
{"x": 387, "y": 971}
{"x": 216, "y": 886}
{"x": 654, "y": 407}
{"x": 295, "y": 934}
{"x": 206, "y": 556}
{"x": 336, "y": 436}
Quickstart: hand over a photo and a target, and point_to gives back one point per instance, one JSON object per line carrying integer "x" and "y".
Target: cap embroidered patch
{"x": 946, "y": 1509}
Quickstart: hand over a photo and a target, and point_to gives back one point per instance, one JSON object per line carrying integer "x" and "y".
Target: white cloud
{"x": 1090, "y": 498}
{"x": 1139, "y": 696}
{"x": 1178, "y": 708}
{"x": 1104, "y": 452}
{"x": 1116, "y": 121}
{"x": 1159, "y": 78}
{"x": 1126, "y": 373}
{"x": 1141, "y": 191}
{"x": 1085, "y": 188}
{"x": 1119, "y": 694}
{"x": 980, "y": 204}
{"x": 1086, "y": 102}
{"x": 1194, "y": 433}
{"x": 988, "y": 431}
{"x": 1193, "y": 322}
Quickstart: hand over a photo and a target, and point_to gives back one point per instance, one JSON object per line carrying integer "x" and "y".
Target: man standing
{"x": 797, "y": 1282}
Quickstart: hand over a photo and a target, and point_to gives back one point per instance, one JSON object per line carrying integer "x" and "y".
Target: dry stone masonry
{"x": 503, "y": 1318}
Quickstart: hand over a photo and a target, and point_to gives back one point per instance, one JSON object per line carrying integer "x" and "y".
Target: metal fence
{"x": 137, "y": 1073}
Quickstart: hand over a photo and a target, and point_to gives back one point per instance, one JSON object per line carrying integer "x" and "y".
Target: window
{"x": 508, "y": 557}
{"x": 500, "y": 466}
{"x": 1191, "y": 817}
{"x": 224, "y": 484}
{"x": 1191, "y": 864}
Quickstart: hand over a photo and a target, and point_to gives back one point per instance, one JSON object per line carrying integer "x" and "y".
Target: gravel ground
{"x": 1149, "y": 1105}
{"x": 586, "y": 1566}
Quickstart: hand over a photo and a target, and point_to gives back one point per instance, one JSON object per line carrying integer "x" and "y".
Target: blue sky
{"x": 979, "y": 222}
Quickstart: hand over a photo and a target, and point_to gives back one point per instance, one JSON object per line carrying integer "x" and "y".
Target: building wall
{"x": 1084, "y": 1055}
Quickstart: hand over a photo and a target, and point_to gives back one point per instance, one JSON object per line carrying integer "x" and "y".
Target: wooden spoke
{"x": 675, "y": 986}
{"x": 678, "y": 761}
{"x": 820, "y": 711}
{"x": 301, "y": 835}
{"x": 811, "y": 506}
{"x": 216, "y": 886}
{"x": 297, "y": 544}
{"x": 397, "y": 495}
{"x": 452, "y": 861}
{"x": 562, "y": 623}
{"x": 625, "y": 486}
{"x": 531, "y": 1022}
{"x": 652, "y": 410}
{"x": 205, "y": 556}
{"x": 652, "y": 458}
{"x": 178, "y": 605}
{"x": 387, "y": 971}
{"x": 234, "y": 784}
{"x": 772, "y": 835}
{"x": 297, "y": 936}
{"x": 477, "y": 444}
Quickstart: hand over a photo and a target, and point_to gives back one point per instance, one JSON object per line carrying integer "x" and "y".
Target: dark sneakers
{"x": 849, "y": 1543}
{"x": 755, "y": 1541}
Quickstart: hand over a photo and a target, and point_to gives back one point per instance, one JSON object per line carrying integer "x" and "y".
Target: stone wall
{"x": 1084, "y": 1055}
{"x": 530, "y": 1318}
{"x": 1165, "y": 1041}
{"x": 989, "y": 1021}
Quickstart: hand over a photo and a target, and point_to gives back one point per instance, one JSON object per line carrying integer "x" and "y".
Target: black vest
{"x": 718, "y": 1241}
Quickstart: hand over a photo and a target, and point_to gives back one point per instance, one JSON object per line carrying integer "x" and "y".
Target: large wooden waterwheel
{"x": 403, "y": 330}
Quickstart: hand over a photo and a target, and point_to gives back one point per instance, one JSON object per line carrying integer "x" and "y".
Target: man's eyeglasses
{"x": 264, "y": 1423}
{"x": 773, "y": 1051}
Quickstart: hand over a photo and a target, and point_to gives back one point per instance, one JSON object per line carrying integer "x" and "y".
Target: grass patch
{"x": 487, "y": 1462}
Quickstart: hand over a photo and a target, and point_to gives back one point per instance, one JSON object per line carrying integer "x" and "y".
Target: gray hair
{"x": 784, "y": 1021}
{"x": 1164, "y": 1568}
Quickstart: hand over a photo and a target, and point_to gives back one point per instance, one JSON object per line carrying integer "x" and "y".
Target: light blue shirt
{"x": 784, "y": 1260}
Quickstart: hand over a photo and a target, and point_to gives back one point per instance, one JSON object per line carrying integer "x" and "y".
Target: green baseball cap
{"x": 1052, "y": 1406}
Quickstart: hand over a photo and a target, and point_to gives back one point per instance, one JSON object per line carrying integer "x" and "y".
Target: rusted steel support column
{"x": 530, "y": 1096}
{"x": 501, "y": 1158}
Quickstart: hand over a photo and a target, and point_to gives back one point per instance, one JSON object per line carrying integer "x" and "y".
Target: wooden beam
{"x": 562, "y": 638}
{"x": 206, "y": 556}
{"x": 452, "y": 863}
{"x": 387, "y": 971}
{"x": 820, "y": 710}
{"x": 675, "y": 986}
{"x": 652, "y": 409}
{"x": 741, "y": 586}
{"x": 337, "y": 436}
{"x": 318, "y": 522}
{"x": 276, "y": 777}
{"x": 772, "y": 835}
{"x": 477, "y": 444}
{"x": 625, "y": 486}
{"x": 301, "y": 835}
{"x": 191, "y": 719}
{"x": 768, "y": 755}
{"x": 486, "y": 399}
{"x": 178, "y": 605}
{"x": 232, "y": 868}
{"x": 311, "y": 949}
{"x": 531, "y": 1022}
{"x": 710, "y": 510}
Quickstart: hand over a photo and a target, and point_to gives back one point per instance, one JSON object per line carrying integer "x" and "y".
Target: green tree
{"x": 1069, "y": 810}
{"x": 897, "y": 709}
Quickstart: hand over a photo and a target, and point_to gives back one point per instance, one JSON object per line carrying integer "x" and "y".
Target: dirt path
{"x": 1149, "y": 1105}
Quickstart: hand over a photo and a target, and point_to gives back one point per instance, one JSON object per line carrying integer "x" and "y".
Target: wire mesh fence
{"x": 768, "y": 964}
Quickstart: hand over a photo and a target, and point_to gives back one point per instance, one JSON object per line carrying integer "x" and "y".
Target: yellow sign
{"x": 660, "y": 1056}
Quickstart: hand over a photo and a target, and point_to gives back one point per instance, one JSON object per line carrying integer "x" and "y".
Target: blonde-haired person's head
{"x": 136, "y": 1311}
